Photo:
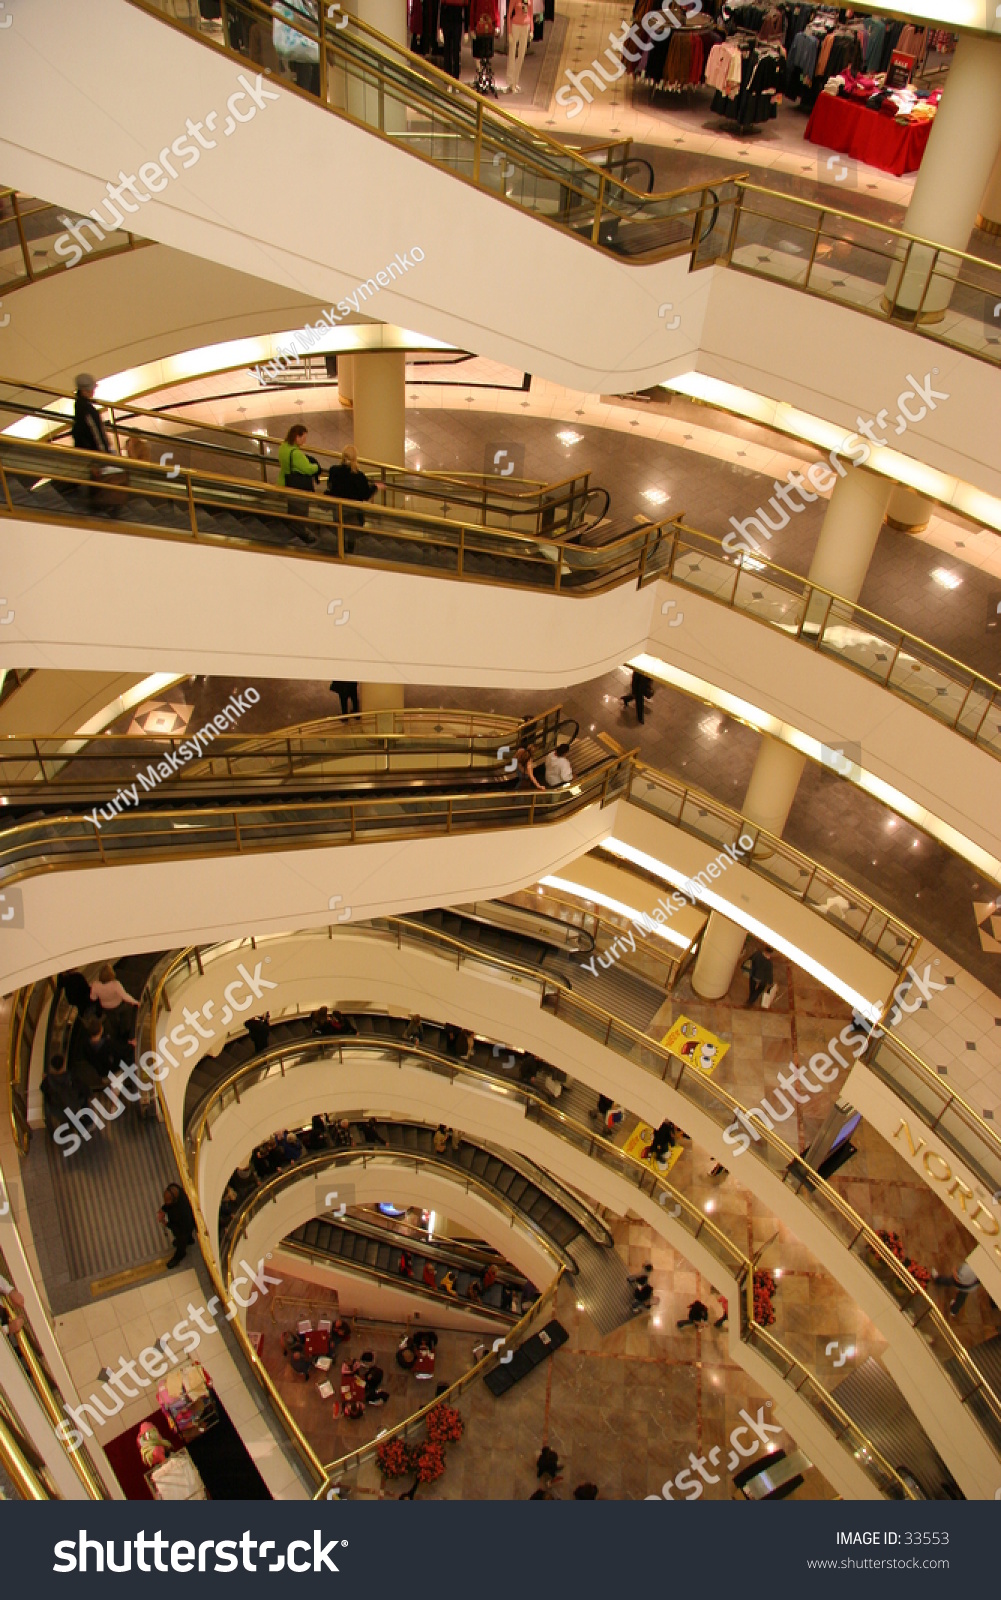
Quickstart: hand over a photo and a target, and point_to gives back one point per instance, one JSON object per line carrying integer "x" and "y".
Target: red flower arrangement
{"x": 920, "y": 1274}
{"x": 444, "y": 1425}
{"x": 764, "y": 1290}
{"x": 395, "y": 1458}
{"x": 425, "y": 1461}
{"x": 430, "y": 1461}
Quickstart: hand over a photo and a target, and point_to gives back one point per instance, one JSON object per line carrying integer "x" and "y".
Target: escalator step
{"x": 370, "y": 1254}
{"x": 493, "y": 1170}
{"x": 515, "y": 1188}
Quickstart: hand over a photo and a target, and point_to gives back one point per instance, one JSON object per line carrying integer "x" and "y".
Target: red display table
{"x": 866, "y": 136}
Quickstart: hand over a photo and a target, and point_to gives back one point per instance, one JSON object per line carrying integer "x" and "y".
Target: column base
{"x": 899, "y": 313}
{"x": 986, "y": 225}
{"x": 904, "y": 527}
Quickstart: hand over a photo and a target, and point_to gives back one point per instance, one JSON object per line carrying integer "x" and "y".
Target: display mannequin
{"x": 519, "y": 31}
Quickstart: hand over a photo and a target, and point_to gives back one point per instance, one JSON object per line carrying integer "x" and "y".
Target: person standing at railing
{"x": 526, "y": 771}
{"x": 346, "y": 481}
{"x": 558, "y": 768}
{"x": 297, "y": 470}
{"x": 88, "y": 426}
{"x": 519, "y": 29}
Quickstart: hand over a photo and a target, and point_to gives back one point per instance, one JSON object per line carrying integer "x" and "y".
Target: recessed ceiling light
{"x": 947, "y": 579}
{"x": 656, "y": 497}
{"x": 568, "y": 437}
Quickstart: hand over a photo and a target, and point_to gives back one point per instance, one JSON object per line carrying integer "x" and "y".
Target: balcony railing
{"x": 367, "y": 79}
{"x": 280, "y": 1061}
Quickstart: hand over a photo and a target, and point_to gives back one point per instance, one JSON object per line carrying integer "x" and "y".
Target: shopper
{"x": 724, "y": 1320}
{"x": 452, "y": 18}
{"x": 440, "y": 1139}
{"x": 641, "y": 689}
{"x": 964, "y": 1280}
{"x": 88, "y": 428}
{"x": 526, "y": 771}
{"x": 697, "y": 1313}
{"x": 321, "y": 1026}
{"x": 413, "y": 1033}
{"x": 259, "y": 1029}
{"x": 519, "y": 31}
{"x": 176, "y": 1214}
{"x": 98, "y": 1049}
{"x": 428, "y": 1275}
{"x": 587, "y": 1491}
{"x": 488, "y": 1277}
{"x": 342, "y": 1025}
{"x": 298, "y": 49}
{"x": 405, "y": 1266}
{"x": 548, "y": 1464}
{"x": 297, "y": 470}
{"x": 76, "y": 988}
{"x": 346, "y": 481}
{"x": 114, "y": 999}
{"x": 760, "y": 973}
{"x": 558, "y": 768}
{"x": 340, "y": 1135}
{"x": 663, "y": 1140}
{"x": 371, "y": 1132}
{"x": 10, "y": 1325}
{"x": 447, "y": 1284}
{"x": 347, "y": 695}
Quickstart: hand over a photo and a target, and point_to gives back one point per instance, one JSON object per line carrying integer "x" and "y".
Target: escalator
{"x": 361, "y": 1245}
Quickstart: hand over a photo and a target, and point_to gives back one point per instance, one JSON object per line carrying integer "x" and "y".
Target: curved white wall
{"x": 250, "y": 613}
{"x": 406, "y": 980}
{"x": 601, "y": 333}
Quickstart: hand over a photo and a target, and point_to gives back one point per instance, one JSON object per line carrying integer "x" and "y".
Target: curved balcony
{"x": 904, "y": 1311}
{"x": 690, "y": 1220}
{"x": 480, "y": 173}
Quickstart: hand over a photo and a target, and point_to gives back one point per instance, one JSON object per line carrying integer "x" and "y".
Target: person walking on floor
{"x": 697, "y": 1313}
{"x": 760, "y": 973}
{"x": 347, "y": 694}
{"x": 176, "y": 1214}
{"x": 640, "y": 690}
{"x": 724, "y": 1320}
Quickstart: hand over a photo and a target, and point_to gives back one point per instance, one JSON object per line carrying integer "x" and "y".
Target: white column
{"x": 380, "y": 403}
{"x": 370, "y": 100}
{"x": 962, "y": 148}
{"x": 989, "y": 215}
{"x": 385, "y": 699}
{"x": 345, "y": 378}
{"x": 854, "y": 516}
{"x": 770, "y": 795}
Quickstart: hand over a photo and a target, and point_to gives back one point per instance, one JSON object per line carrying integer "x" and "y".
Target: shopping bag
{"x": 768, "y": 998}
{"x": 289, "y": 44}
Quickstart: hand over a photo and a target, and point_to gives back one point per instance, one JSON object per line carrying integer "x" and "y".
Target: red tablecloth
{"x": 876, "y": 140}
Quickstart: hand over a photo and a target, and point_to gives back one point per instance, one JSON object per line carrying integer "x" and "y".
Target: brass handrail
{"x": 724, "y": 1108}
{"x": 730, "y": 1256}
{"x": 32, "y": 273}
{"x": 421, "y": 87}
{"x": 648, "y": 555}
{"x": 773, "y": 845}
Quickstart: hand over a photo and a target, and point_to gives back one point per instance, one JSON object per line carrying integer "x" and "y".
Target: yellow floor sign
{"x": 694, "y": 1044}
{"x": 640, "y": 1139}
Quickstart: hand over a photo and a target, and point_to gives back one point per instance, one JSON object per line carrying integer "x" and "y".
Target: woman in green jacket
{"x": 297, "y": 470}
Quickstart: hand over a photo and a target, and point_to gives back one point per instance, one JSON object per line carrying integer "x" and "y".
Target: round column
{"x": 371, "y": 101}
{"x": 855, "y": 514}
{"x": 385, "y": 699}
{"x": 380, "y": 403}
{"x": 770, "y": 795}
{"x": 907, "y": 511}
{"x": 345, "y": 378}
{"x": 989, "y": 215}
{"x": 950, "y": 185}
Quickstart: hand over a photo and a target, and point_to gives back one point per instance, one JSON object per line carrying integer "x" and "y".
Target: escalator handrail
{"x": 790, "y": 1164}
{"x": 437, "y": 1250}
{"x": 411, "y": 1286}
{"x": 619, "y": 561}
{"x": 730, "y": 1256}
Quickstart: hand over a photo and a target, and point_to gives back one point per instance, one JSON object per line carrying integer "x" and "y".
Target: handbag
{"x": 768, "y": 998}
{"x": 289, "y": 43}
{"x": 299, "y": 480}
